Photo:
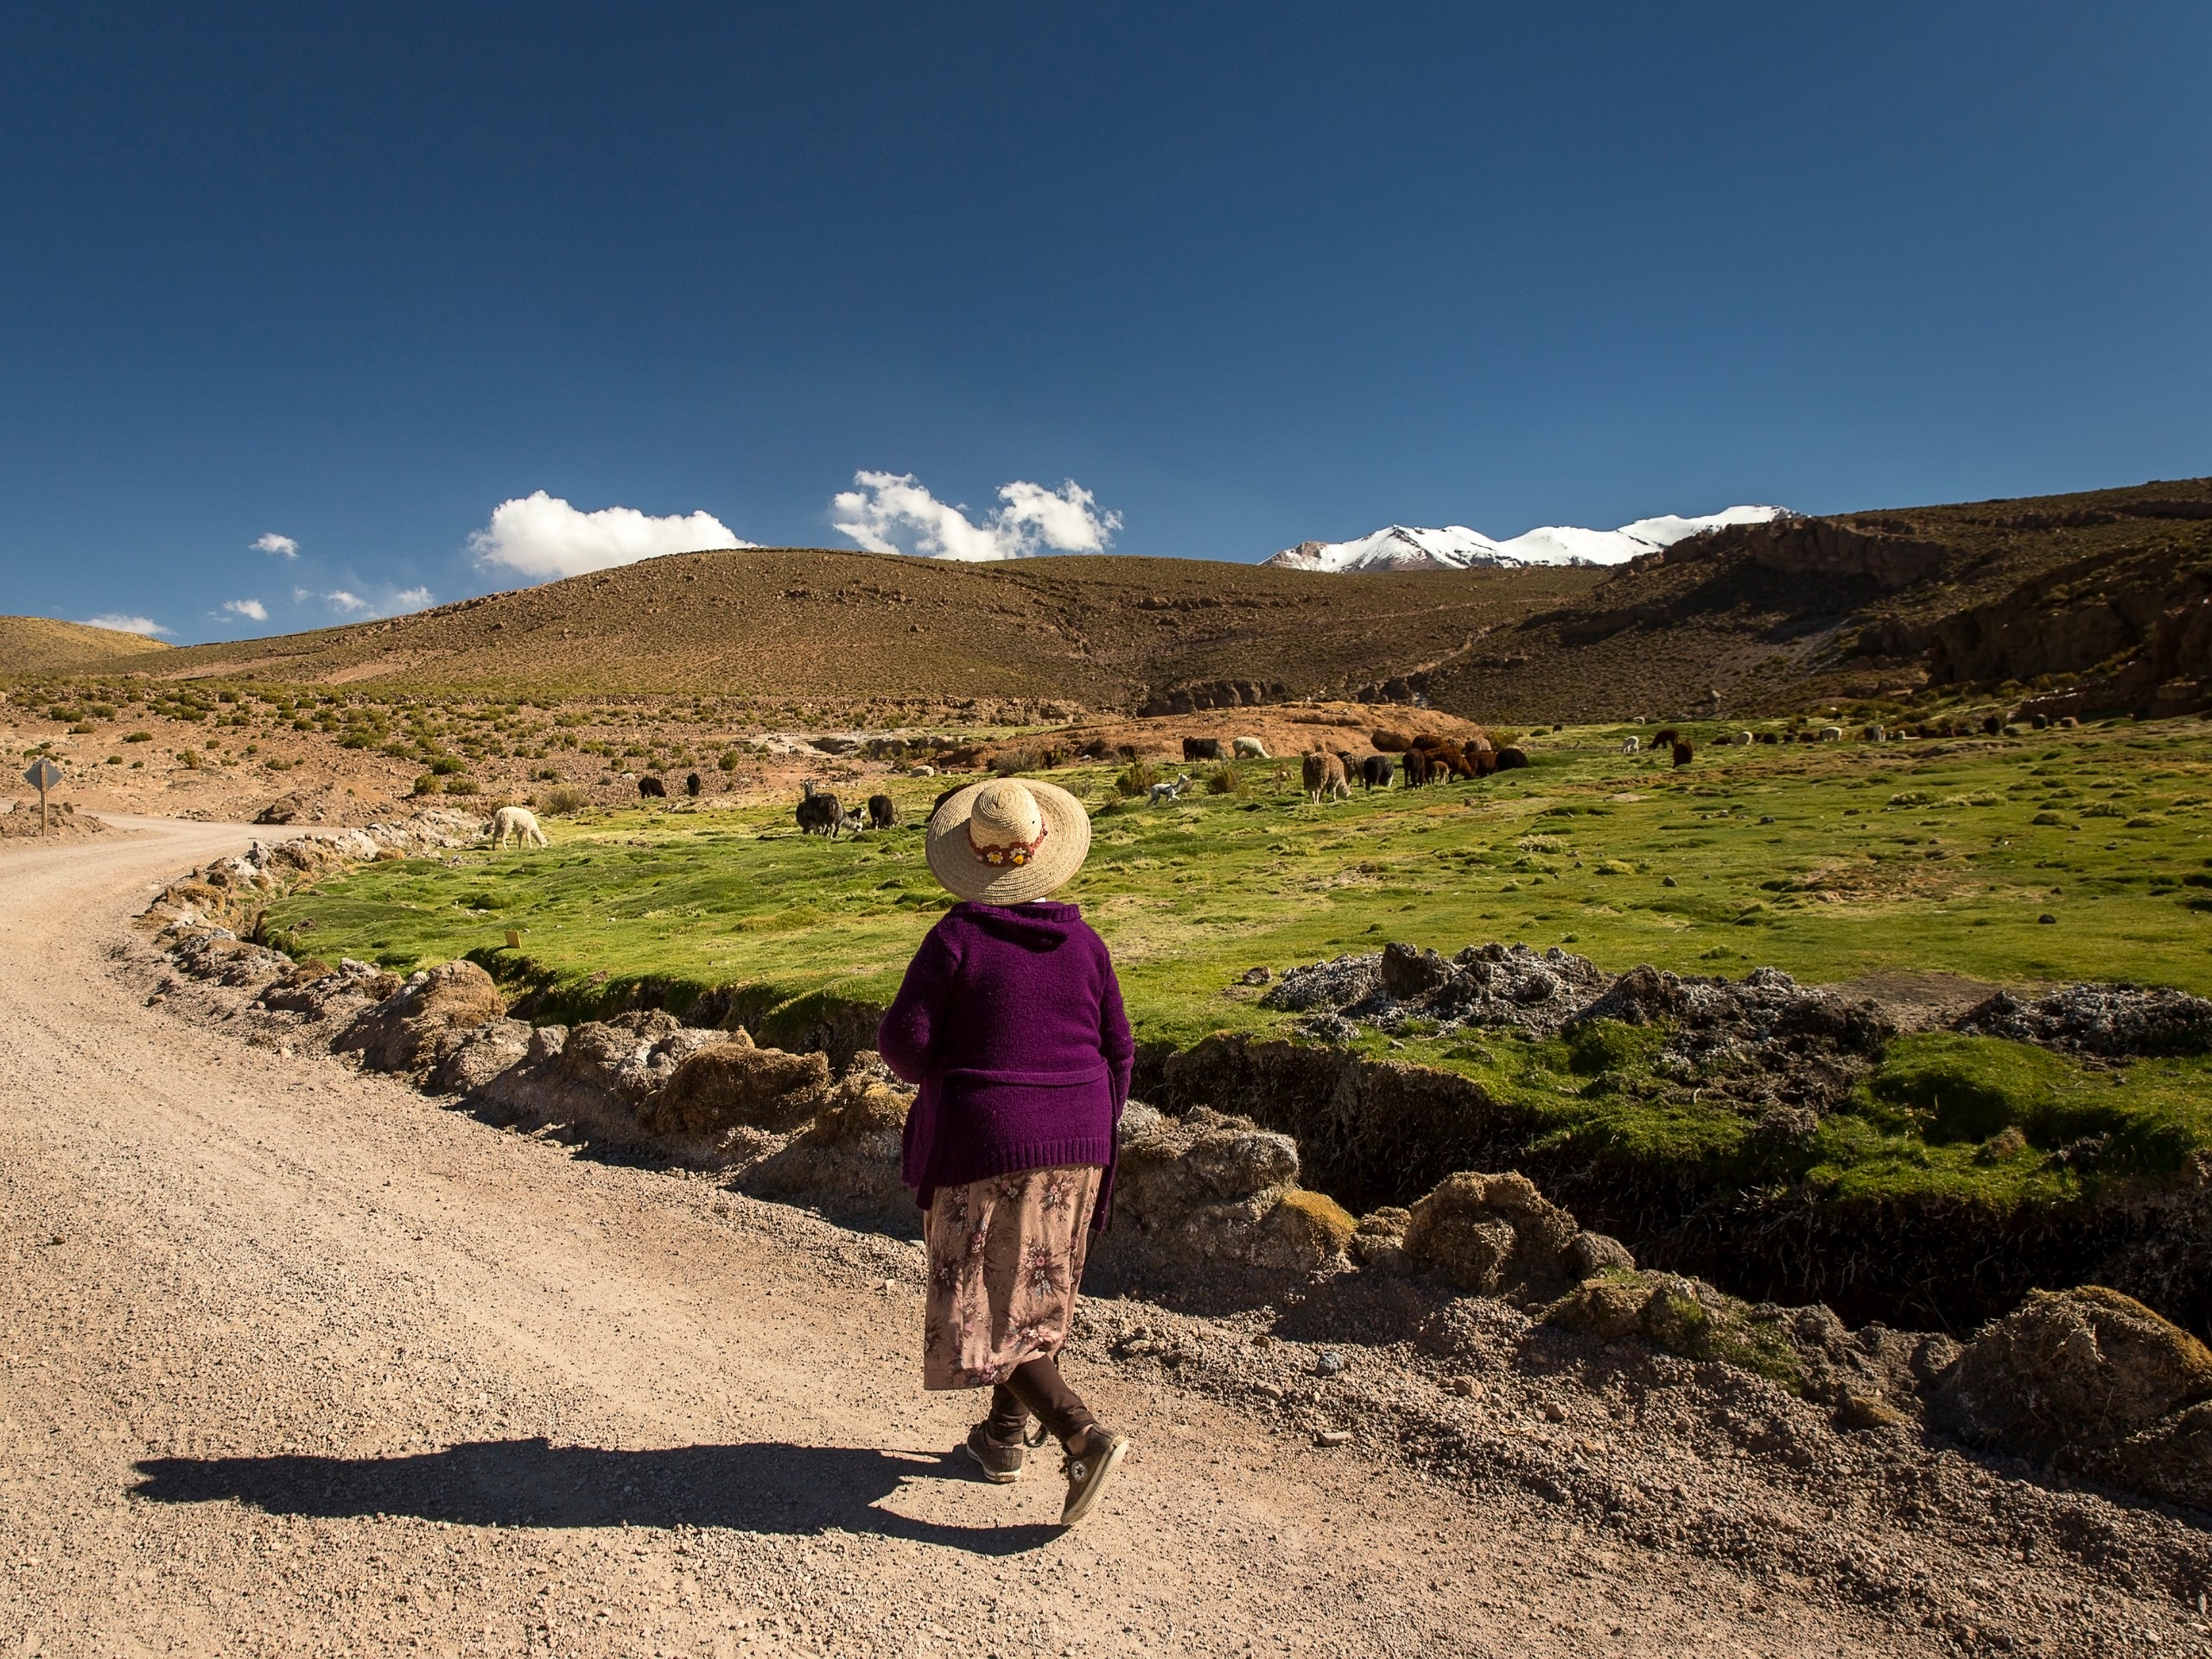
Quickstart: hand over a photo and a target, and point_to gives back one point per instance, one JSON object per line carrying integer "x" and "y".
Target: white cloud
{"x": 252, "y": 609}
{"x": 347, "y": 603}
{"x": 542, "y": 536}
{"x": 891, "y": 509}
{"x": 282, "y": 546}
{"x": 144, "y": 625}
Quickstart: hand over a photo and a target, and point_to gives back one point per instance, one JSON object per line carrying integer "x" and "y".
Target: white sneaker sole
{"x": 1087, "y": 1500}
{"x": 995, "y": 1477}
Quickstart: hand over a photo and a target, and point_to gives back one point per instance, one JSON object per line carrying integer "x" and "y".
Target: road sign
{"x": 42, "y": 775}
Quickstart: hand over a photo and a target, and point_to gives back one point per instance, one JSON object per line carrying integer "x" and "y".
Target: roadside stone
{"x": 2082, "y": 1367}
{"x": 1303, "y": 1231}
{"x": 732, "y": 1083}
{"x": 416, "y": 1027}
{"x": 1483, "y": 1232}
{"x": 1589, "y": 1254}
{"x": 481, "y": 1055}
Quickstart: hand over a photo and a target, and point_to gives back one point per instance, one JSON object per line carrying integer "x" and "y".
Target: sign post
{"x": 41, "y": 776}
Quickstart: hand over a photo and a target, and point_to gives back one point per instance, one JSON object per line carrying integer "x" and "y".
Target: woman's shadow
{"x": 762, "y": 1487}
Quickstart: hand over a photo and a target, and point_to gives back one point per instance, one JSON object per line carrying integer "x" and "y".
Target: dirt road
{"x": 293, "y": 1361}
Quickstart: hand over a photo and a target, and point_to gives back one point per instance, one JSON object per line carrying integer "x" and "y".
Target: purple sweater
{"x": 1010, "y": 1018}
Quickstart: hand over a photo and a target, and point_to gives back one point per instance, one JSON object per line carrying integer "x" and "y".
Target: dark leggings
{"x": 1036, "y": 1388}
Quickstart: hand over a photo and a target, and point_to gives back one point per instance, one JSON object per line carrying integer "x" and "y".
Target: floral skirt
{"x": 1005, "y": 1257}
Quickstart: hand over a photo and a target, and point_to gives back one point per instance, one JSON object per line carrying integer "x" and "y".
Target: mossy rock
{"x": 1685, "y": 1317}
{"x": 733, "y": 1083}
{"x": 860, "y": 1107}
{"x": 2080, "y": 1368}
{"x": 1305, "y": 1230}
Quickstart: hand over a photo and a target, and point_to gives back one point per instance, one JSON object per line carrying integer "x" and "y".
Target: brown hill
{"x": 773, "y": 624}
{"x": 38, "y": 645}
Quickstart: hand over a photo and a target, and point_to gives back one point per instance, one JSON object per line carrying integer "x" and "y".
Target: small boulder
{"x": 481, "y": 1055}
{"x": 2077, "y": 1369}
{"x": 1589, "y": 1254}
{"x": 1303, "y": 1231}
{"x": 1611, "y": 1308}
{"x": 1410, "y": 972}
{"x": 1168, "y": 1167}
{"x": 869, "y": 1101}
{"x": 1642, "y": 996}
{"x": 1378, "y": 1241}
{"x": 733, "y": 1084}
{"x": 416, "y": 1027}
{"x": 1484, "y": 1232}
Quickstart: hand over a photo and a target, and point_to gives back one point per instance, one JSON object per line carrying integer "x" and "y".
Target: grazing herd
{"x": 821, "y": 813}
{"x": 1423, "y": 759}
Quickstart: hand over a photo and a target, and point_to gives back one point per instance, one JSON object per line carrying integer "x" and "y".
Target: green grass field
{"x": 1831, "y": 861}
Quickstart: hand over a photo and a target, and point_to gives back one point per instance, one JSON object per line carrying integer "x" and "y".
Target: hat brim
{"x": 1067, "y": 842}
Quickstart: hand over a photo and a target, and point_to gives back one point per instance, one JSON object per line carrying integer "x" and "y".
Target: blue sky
{"x": 1246, "y": 275}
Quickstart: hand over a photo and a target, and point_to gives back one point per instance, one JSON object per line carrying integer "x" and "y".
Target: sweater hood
{"x": 1039, "y": 926}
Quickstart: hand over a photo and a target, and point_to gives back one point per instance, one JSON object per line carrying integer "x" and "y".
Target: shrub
{"x": 1138, "y": 777}
{"x": 564, "y": 800}
{"x": 461, "y": 786}
{"x": 1007, "y": 762}
{"x": 426, "y": 785}
{"x": 729, "y": 760}
{"x": 1227, "y": 779}
{"x": 446, "y": 765}
{"x": 190, "y": 758}
{"x": 138, "y": 737}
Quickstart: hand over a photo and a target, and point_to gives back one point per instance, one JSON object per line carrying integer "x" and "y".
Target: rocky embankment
{"x": 1766, "y": 1062}
{"x": 1443, "y": 1325}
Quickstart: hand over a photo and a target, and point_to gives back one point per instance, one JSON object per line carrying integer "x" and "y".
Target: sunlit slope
{"x": 39, "y": 645}
{"x": 806, "y": 623}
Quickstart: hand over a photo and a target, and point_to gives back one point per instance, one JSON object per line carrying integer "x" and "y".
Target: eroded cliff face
{"x": 2136, "y": 625}
{"x": 1820, "y": 547}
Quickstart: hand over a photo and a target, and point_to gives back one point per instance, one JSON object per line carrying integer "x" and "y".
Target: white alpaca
{"x": 515, "y": 823}
{"x": 1159, "y": 792}
{"x": 1630, "y": 745}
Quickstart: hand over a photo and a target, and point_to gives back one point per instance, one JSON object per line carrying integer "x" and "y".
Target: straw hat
{"x": 1005, "y": 843}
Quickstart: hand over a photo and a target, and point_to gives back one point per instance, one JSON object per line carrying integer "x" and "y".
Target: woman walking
{"x": 1010, "y": 1020}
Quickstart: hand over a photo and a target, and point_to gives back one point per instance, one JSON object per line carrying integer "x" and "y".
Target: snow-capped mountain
{"x": 1402, "y": 547}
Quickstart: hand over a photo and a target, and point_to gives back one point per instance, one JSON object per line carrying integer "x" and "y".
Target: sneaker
{"x": 999, "y": 1463}
{"x": 1089, "y": 1474}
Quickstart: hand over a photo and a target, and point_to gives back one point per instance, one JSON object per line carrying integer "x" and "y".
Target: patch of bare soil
{"x": 1915, "y": 999}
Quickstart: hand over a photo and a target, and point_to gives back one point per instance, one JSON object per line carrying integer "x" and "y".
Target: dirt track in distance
{"x": 294, "y": 1361}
